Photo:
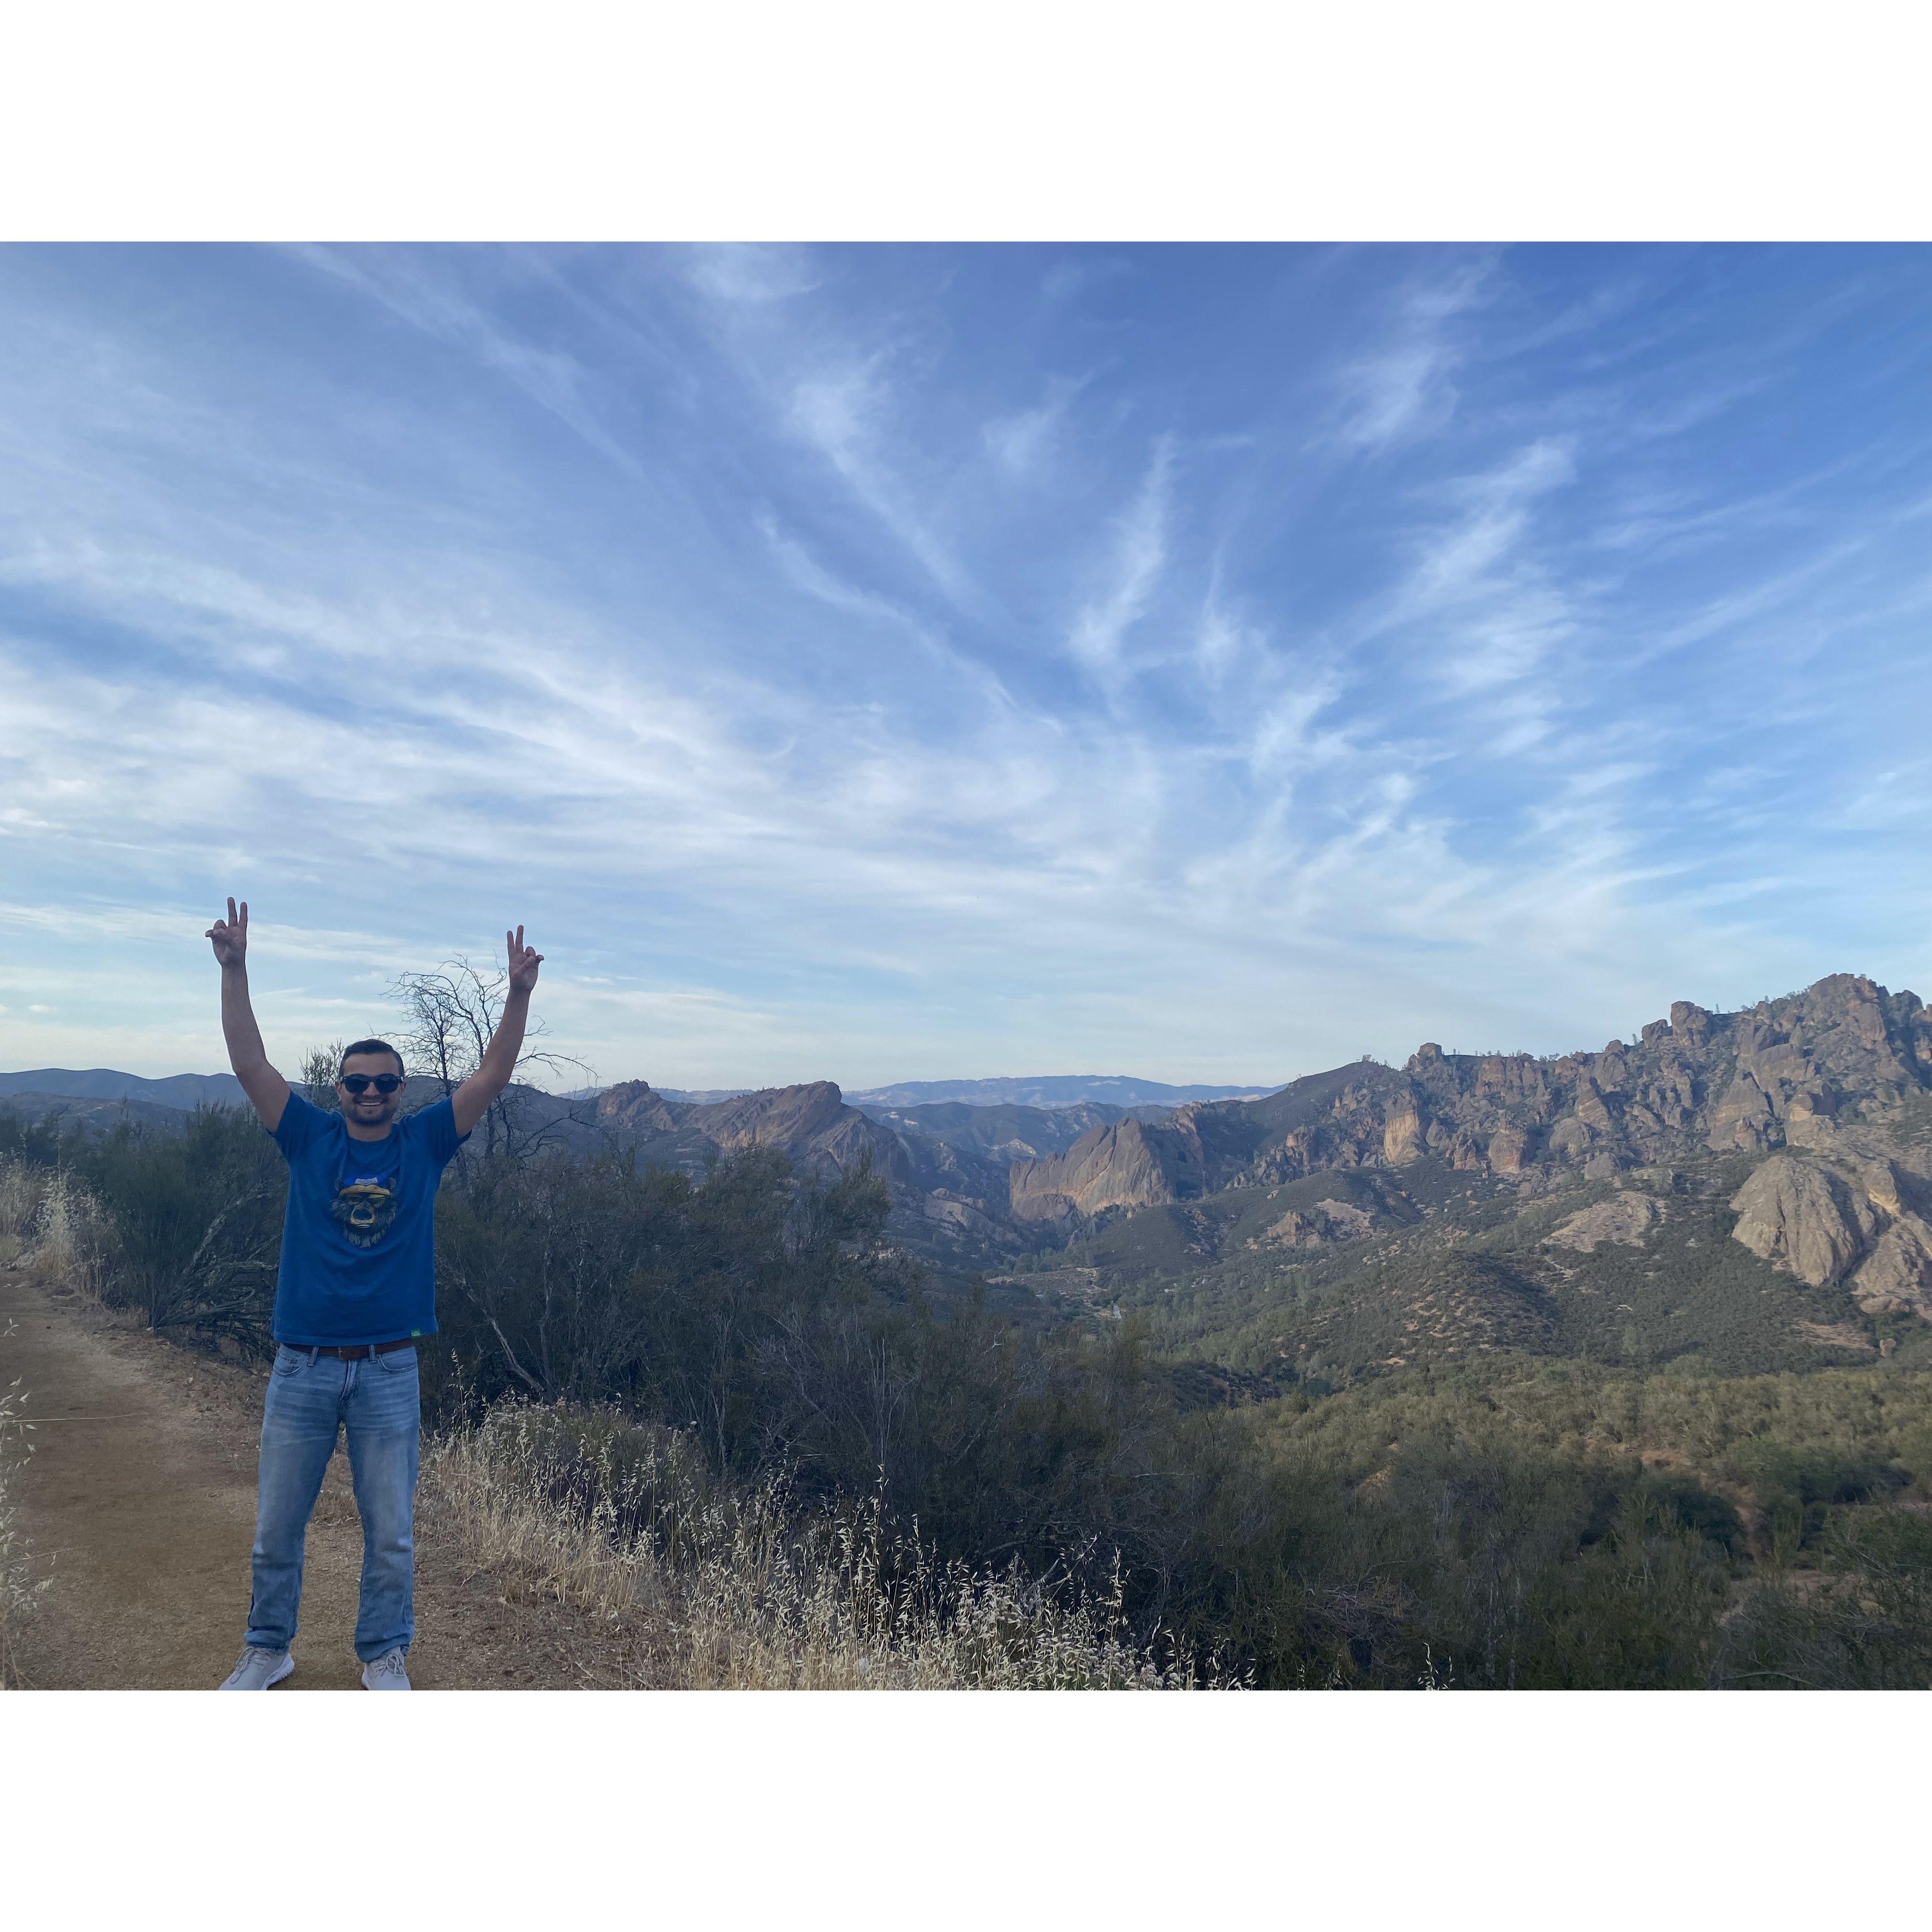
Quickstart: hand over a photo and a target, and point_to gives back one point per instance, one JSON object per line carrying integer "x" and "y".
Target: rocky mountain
{"x": 1127, "y": 1163}
{"x": 1779, "y": 1074}
{"x": 1736, "y": 1193}
{"x": 1854, "y": 1211}
{"x": 1795, "y": 1109}
{"x": 810, "y": 1125}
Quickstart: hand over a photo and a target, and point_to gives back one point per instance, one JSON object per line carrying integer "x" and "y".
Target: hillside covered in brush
{"x": 1738, "y": 1191}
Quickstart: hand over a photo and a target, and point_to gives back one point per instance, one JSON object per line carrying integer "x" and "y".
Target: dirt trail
{"x": 139, "y": 1502}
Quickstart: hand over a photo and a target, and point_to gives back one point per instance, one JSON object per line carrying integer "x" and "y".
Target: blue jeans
{"x": 312, "y": 1399}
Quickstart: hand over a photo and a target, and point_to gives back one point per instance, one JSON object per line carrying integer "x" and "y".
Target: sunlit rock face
{"x": 1127, "y": 1164}
{"x": 1780, "y": 1076}
{"x": 1804, "y": 1218}
{"x": 1855, "y": 1218}
{"x": 1805, "y": 1087}
{"x": 810, "y": 1125}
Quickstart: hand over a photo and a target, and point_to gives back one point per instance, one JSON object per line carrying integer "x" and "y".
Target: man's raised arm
{"x": 471, "y": 1101}
{"x": 267, "y": 1090}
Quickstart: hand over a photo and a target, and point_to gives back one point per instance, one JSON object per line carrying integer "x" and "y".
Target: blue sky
{"x": 889, "y": 663}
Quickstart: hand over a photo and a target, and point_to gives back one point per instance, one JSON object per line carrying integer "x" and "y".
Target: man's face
{"x": 371, "y": 1108}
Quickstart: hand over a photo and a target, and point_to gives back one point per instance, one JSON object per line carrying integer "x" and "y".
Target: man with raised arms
{"x": 356, "y": 1292}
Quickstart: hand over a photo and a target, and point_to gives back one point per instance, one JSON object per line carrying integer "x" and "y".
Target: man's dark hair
{"x": 370, "y": 1046}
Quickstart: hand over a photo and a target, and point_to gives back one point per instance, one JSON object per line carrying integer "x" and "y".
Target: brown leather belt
{"x": 363, "y": 1350}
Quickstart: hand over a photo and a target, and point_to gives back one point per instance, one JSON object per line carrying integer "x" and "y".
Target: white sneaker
{"x": 259, "y": 1669}
{"x": 389, "y": 1672}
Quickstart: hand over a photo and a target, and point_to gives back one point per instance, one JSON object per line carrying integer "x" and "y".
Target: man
{"x": 356, "y": 1292}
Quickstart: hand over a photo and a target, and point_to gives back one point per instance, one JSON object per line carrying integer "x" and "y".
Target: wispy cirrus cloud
{"x": 1405, "y": 387}
{"x": 840, "y": 687}
{"x": 1137, "y": 555}
{"x": 842, "y": 414}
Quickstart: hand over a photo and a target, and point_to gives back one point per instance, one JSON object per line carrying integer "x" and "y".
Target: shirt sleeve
{"x": 437, "y": 1125}
{"x": 297, "y": 1127}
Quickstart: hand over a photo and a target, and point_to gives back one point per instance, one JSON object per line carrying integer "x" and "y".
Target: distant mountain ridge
{"x": 183, "y": 1090}
{"x": 187, "y": 1090}
{"x": 1051, "y": 1090}
{"x": 75, "y": 1111}
{"x": 1752, "y": 1190}
{"x": 1813, "y": 1083}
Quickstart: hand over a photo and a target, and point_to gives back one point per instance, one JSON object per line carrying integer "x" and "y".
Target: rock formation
{"x": 1800, "y": 1084}
{"x": 1858, "y": 1217}
{"x": 1128, "y": 1163}
{"x": 1782, "y": 1074}
{"x": 632, "y": 1107}
{"x": 1625, "y": 1218}
{"x": 1327, "y": 1221}
{"x": 1897, "y": 1278}
{"x": 810, "y": 1125}
{"x": 1805, "y": 1219}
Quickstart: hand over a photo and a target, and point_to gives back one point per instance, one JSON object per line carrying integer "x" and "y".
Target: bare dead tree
{"x": 450, "y": 1014}
{"x": 320, "y": 1066}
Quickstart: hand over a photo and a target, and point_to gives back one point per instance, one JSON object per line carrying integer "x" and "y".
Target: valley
{"x": 1731, "y": 1192}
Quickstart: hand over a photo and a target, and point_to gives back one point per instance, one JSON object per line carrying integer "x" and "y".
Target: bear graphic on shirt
{"x": 363, "y": 1211}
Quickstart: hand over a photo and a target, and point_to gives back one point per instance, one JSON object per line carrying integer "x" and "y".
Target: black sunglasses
{"x": 383, "y": 1083}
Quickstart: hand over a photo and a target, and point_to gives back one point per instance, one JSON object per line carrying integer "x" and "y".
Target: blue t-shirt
{"x": 358, "y": 1244}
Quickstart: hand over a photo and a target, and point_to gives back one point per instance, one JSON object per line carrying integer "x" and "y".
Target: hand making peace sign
{"x": 230, "y": 936}
{"x": 524, "y": 961}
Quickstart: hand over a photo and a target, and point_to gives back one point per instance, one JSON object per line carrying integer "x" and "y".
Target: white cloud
{"x": 841, "y": 414}
{"x": 752, "y": 273}
{"x": 1139, "y": 551}
{"x": 1403, "y": 389}
{"x": 777, "y": 805}
{"x": 425, "y": 292}
{"x": 1477, "y": 609}
{"x": 1025, "y": 444}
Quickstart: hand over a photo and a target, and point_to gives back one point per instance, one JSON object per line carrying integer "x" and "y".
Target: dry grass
{"x": 21, "y": 1187}
{"x": 701, "y": 1588}
{"x": 18, "y": 1592}
{"x": 50, "y": 1224}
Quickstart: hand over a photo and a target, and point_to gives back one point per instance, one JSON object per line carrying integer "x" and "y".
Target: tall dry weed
{"x": 66, "y": 1235}
{"x": 702, "y": 1587}
{"x": 21, "y": 1187}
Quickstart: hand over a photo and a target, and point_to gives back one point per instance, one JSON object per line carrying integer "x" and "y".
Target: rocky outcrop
{"x": 1805, "y": 1219}
{"x": 1326, "y": 1222}
{"x": 810, "y": 1125}
{"x": 1743, "y": 1118}
{"x": 1799, "y": 1079}
{"x": 1402, "y": 1139}
{"x": 961, "y": 1216}
{"x": 1625, "y": 1218}
{"x": 633, "y": 1107}
{"x": 1856, "y": 1214}
{"x": 1897, "y": 1278}
{"x": 1127, "y": 1164}
{"x": 1782, "y": 1075}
